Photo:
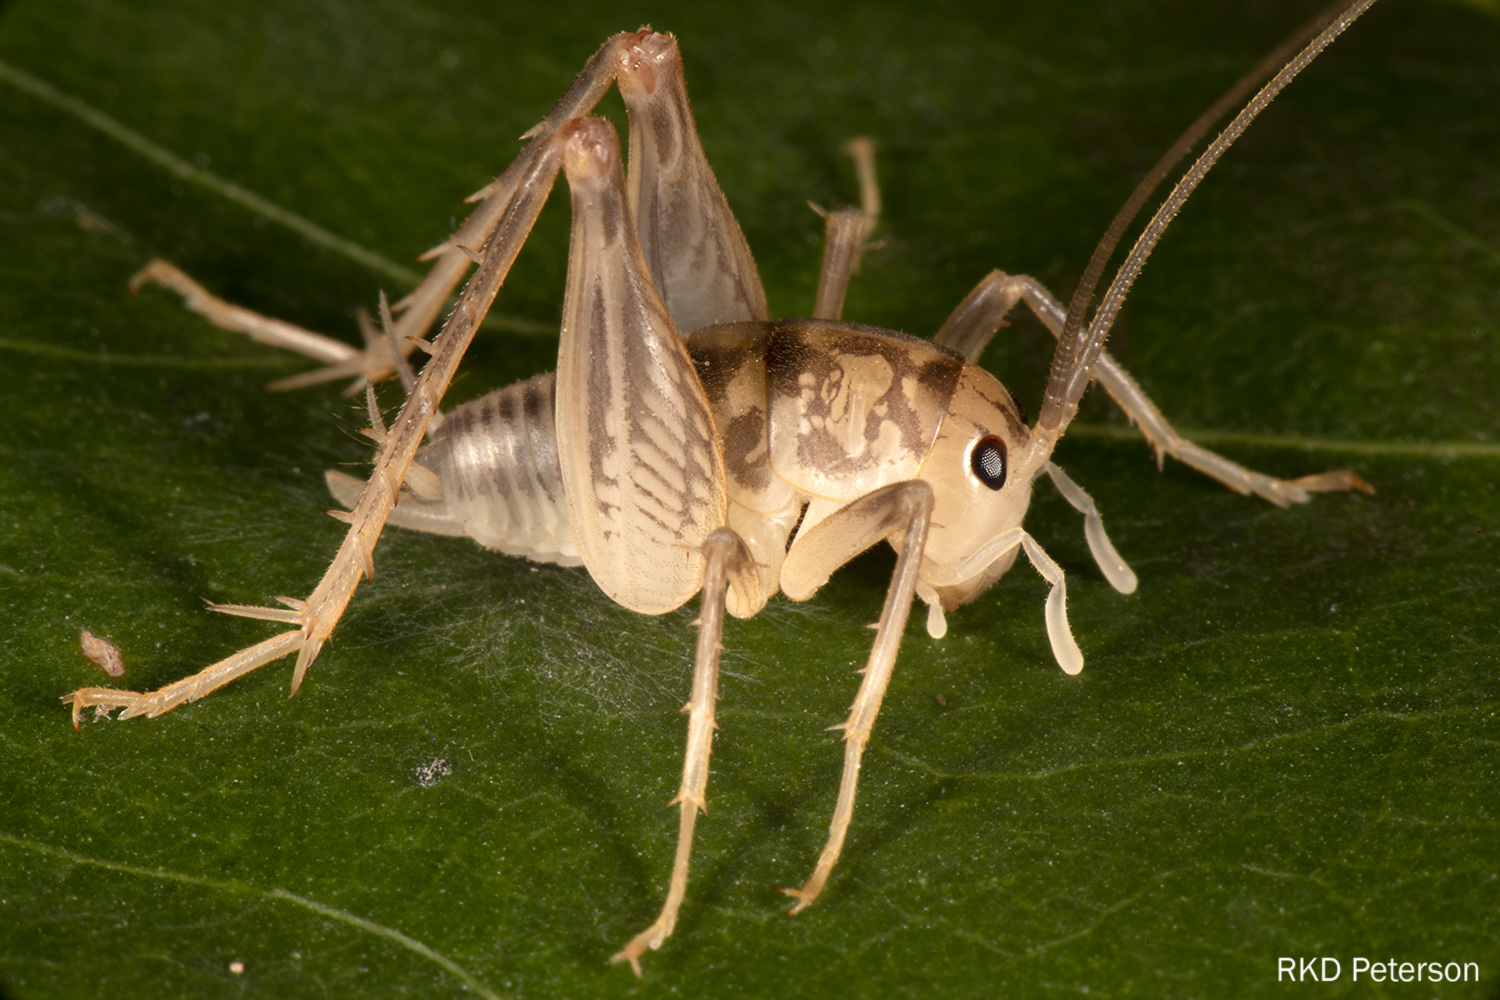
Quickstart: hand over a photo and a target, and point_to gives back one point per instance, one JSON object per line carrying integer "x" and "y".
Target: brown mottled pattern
{"x": 1015, "y": 414}
{"x": 853, "y": 408}
{"x": 601, "y": 438}
{"x": 730, "y": 361}
{"x": 744, "y": 436}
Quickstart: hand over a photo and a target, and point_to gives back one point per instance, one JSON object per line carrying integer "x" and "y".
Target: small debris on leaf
{"x": 102, "y": 653}
{"x": 432, "y": 772}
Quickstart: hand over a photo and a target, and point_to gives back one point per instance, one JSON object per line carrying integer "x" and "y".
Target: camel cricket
{"x": 690, "y": 445}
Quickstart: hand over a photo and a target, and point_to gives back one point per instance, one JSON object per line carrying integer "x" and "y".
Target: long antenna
{"x": 1079, "y": 347}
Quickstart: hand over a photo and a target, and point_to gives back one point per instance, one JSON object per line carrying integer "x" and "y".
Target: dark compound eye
{"x": 988, "y": 461}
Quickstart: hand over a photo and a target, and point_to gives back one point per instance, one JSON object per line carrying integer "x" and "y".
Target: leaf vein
{"x": 245, "y": 888}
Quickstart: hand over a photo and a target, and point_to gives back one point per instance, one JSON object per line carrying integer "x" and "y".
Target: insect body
{"x": 818, "y": 413}
{"x": 685, "y": 435}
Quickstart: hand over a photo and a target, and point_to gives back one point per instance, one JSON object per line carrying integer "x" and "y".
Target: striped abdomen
{"x": 497, "y": 458}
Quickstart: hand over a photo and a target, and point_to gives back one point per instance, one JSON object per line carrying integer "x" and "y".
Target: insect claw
{"x": 626, "y": 956}
{"x": 69, "y": 699}
{"x": 425, "y": 346}
{"x": 138, "y": 280}
{"x": 802, "y": 899}
{"x": 103, "y": 701}
{"x": 1325, "y": 482}
{"x": 471, "y": 253}
{"x": 346, "y": 517}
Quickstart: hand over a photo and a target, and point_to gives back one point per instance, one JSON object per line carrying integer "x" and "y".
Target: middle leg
{"x": 724, "y": 557}
{"x": 846, "y": 233}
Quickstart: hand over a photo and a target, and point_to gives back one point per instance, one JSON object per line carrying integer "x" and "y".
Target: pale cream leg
{"x": 417, "y": 311}
{"x": 843, "y": 232}
{"x": 904, "y": 507}
{"x": 846, "y": 233}
{"x": 861, "y": 150}
{"x": 383, "y": 353}
{"x": 154, "y": 703}
{"x": 231, "y": 317}
{"x": 320, "y": 613}
{"x": 724, "y": 556}
{"x": 342, "y": 360}
{"x": 977, "y": 319}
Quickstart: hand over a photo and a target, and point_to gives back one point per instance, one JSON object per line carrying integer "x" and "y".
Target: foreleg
{"x": 979, "y": 317}
{"x": 903, "y": 510}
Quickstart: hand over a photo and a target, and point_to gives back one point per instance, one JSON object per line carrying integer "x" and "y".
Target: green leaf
{"x": 1284, "y": 744}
